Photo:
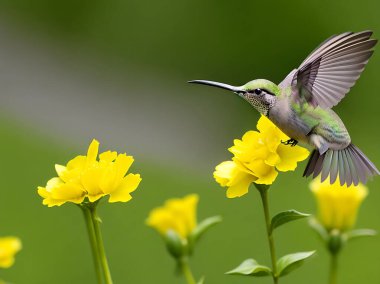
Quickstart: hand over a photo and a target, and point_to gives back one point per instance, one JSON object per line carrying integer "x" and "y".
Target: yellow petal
{"x": 53, "y": 183}
{"x": 164, "y": 220}
{"x": 9, "y": 246}
{"x": 69, "y": 192}
{"x": 92, "y": 151}
{"x": 264, "y": 173}
{"x": 91, "y": 181}
{"x": 60, "y": 169}
{"x": 50, "y": 202}
{"x": 129, "y": 184}
{"x": 46, "y": 192}
{"x": 233, "y": 175}
{"x": 241, "y": 187}
{"x": 78, "y": 162}
{"x": 186, "y": 209}
{"x": 122, "y": 164}
{"x": 289, "y": 156}
{"x": 43, "y": 192}
{"x": 177, "y": 214}
{"x": 224, "y": 172}
{"x": 268, "y": 128}
{"x": 108, "y": 156}
{"x": 243, "y": 149}
{"x": 268, "y": 177}
{"x": 264, "y": 124}
{"x": 272, "y": 159}
{"x": 337, "y": 205}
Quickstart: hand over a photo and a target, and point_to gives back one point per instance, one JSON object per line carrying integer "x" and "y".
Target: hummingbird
{"x": 301, "y": 106}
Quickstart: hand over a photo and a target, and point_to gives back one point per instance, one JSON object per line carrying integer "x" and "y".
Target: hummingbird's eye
{"x": 257, "y": 91}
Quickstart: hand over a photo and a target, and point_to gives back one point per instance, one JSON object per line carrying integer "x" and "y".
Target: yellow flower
{"x": 9, "y": 246}
{"x": 177, "y": 214}
{"x": 236, "y": 179}
{"x": 91, "y": 177}
{"x": 257, "y": 158}
{"x": 337, "y": 205}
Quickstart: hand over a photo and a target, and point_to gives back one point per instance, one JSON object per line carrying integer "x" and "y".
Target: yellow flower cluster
{"x": 177, "y": 214}
{"x": 92, "y": 178}
{"x": 9, "y": 246}
{"x": 338, "y": 205}
{"x": 257, "y": 158}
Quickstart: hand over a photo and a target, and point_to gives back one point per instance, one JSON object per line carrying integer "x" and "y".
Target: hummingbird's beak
{"x": 235, "y": 89}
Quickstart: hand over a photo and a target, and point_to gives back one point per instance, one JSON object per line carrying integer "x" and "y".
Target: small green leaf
{"x": 250, "y": 267}
{"x": 359, "y": 233}
{"x": 285, "y": 217}
{"x": 319, "y": 229}
{"x": 204, "y": 226}
{"x": 175, "y": 245}
{"x": 201, "y": 281}
{"x": 289, "y": 262}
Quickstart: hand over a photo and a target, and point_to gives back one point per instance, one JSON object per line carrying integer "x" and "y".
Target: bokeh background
{"x": 116, "y": 70}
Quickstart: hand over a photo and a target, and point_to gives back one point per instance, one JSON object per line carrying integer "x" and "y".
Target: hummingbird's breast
{"x": 283, "y": 115}
{"x": 299, "y": 121}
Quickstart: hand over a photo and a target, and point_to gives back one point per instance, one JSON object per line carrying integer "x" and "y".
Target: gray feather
{"x": 334, "y": 167}
{"x": 361, "y": 168}
{"x": 318, "y": 165}
{"x": 364, "y": 158}
{"x": 328, "y": 44}
{"x": 347, "y": 168}
{"x": 326, "y": 165}
{"x": 329, "y": 72}
{"x": 354, "y": 174}
{"x": 311, "y": 163}
{"x": 341, "y": 162}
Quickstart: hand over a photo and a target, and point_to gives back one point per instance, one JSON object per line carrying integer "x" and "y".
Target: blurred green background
{"x": 117, "y": 71}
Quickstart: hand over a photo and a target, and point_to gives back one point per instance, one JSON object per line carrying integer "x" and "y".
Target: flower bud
{"x": 337, "y": 205}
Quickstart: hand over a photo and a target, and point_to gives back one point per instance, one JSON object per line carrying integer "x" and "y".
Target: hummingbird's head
{"x": 260, "y": 93}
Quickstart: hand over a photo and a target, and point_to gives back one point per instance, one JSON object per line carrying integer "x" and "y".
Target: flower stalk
{"x": 93, "y": 227}
{"x": 102, "y": 253}
{"x": 263, "y": 190}
{"x": 93, "y": 242}
{"x": 333, "y": 268}
{"x": 186, "y": 270}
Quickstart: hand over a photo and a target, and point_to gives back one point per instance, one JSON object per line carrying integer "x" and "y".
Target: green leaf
{"x": 319, "y": 229}
{"x": 359, "y": 233}
{"x": 201, "y": 281}
{"x": 204, "y": 226}
{"x": 285, "y": 217}
{"x": 175, "y": 245}
{"x": 289, "y": 262}
{"x": 250, "y": 267}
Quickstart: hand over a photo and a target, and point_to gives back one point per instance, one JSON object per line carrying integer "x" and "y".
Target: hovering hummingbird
{"x": 301, "y": 106}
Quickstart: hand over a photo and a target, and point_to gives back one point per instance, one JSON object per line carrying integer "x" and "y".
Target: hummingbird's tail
{"x": 349, "y": 163}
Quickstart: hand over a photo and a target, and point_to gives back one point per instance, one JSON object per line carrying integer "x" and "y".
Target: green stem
{"x": 93, "y": 242}
{"x": 102, "y": 254}
{"x": 333, "y": 269}
{"x": 185, "y": 267}
{"x": 264, "y": 198}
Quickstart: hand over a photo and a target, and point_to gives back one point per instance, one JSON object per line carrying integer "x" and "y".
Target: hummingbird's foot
{"x": 292, "y": 142}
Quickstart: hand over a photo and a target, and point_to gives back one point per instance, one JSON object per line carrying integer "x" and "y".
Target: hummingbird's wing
{"x": 329, "y": 72}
